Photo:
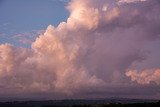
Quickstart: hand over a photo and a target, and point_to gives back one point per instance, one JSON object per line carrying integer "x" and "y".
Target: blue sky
{"x": 24, "y": 16}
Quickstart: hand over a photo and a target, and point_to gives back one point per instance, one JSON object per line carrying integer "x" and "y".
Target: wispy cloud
{"x": 66, "y": 1}
{"x": 28, "y": 37}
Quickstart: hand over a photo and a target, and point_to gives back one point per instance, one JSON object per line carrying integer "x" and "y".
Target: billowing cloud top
{"x": 106, "y": 48}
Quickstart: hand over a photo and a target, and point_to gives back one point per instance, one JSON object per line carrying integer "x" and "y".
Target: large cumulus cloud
{"x": 106, "y": 48}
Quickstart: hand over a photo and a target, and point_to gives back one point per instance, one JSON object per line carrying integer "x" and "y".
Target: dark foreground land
{"x": 84, "y": 103}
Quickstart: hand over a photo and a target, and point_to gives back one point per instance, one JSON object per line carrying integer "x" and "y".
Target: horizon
{"x": 114, "y": 99}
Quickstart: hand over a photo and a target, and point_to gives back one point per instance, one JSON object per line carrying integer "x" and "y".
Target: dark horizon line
{"x": 2, "y": 100}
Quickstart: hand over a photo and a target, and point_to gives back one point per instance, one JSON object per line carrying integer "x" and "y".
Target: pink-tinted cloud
{"x": 90, "y": 54}
{"x": 145, "y": 77}
{"x": 130, "y": 1}
{"x": 28, "y": 37}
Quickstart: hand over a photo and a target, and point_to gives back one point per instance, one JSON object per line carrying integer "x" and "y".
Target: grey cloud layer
{"x": 104, "y": 49}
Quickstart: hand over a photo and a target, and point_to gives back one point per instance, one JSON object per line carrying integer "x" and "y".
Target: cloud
{"x": 130, "y": 1}
{"x": 64, "y": 1}
{"x": 145, "y": 77}
{"x": 101, "y": 49}
{"x": 27, "y": 37}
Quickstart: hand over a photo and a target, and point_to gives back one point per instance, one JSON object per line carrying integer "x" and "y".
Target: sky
{"x": 27, "y": 17}
{"x": 58, "y": 49}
